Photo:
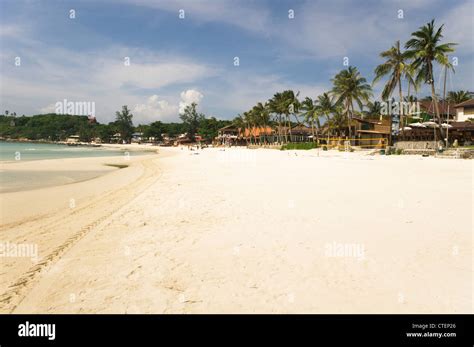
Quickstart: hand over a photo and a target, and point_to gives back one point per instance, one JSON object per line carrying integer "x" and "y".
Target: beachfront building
{"x": 262, "y": 135}
{"x": 228, "y": 136}
{"x": 447, "y": 111}
{"x": 182, "y": 139}
{"x": 116, "y": 138}
{"x": 258, "y": 135}
{"x": 465, "y": 111}
{"x": 137, "y": 137}
{"x": 299, "y": 133}
{"x": 462, "y": 132}
{"x": 167, "y": 139}
{"x": 371, "y": 133}
{"x": 366, "y": 133}
{"x": 72, "y": 139}
{"x": 455, "y": 123}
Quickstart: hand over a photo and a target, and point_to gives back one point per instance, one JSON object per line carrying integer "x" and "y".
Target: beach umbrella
{"x": 418, "y": 125}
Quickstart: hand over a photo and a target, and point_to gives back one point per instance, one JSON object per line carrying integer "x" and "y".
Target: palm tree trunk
{"x": 264, "y": 133}
{"x": 327, "y": 144}
{"x": 435, "y": 100}
{"x": 289, "y": 126}
{"x": 348, "y": 118}
{"x": 279, "y": 128}
{"x": 401, "y": 108}
{"x": 444, "y": 104}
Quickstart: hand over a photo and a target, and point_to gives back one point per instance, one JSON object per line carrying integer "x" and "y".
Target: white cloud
{"x": 157, "y": 75}
{"x": 50, "y": 74}
{"x": 188, "y": 97}
{"x": 51, "y": 108}
{"x": 155, "y": 109}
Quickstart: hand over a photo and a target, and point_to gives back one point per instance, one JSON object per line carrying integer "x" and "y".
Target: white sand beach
{"x": 246, "y": 231}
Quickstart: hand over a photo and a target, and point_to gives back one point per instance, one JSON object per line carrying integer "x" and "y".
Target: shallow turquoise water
{"x": 10, "y": 151}
{"x": 19, "y": 180}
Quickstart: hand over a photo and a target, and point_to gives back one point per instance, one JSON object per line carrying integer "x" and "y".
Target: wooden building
{"x": 371, "y": 133}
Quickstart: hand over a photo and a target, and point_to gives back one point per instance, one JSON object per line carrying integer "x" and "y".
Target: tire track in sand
{"x": 109, "y": 204}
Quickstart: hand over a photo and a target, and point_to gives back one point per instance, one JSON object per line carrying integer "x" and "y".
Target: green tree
{"x": 124, "y": 123}
{"x": 276, "y": 105}
{"x": 155, "y": 130}
{"x": 456, "y": 97}
{"x": 373, "y": 110}
{"x": 397, "y": 66}
{"x": 262, "y": 114}
{"x": 191, "y": 120}
{"x": 209, "y": 127}
{"x": 425, "y": 48}
{"x": 290, "y": 106}
{"x": 326, "y": 107}
{"x": 338, "y": 121}
{"x": 350, "y": 86}
{"x": 105, "y": 132}
{"x": 311, "y": 113}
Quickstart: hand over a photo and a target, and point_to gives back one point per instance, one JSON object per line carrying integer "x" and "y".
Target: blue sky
{"x": 176, "y": 61}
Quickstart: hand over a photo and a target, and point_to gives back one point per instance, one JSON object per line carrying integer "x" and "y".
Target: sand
{"x": 244, "y": 231}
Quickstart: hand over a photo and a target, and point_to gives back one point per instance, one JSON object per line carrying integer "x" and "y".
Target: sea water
{"x": 12, "y": 180}
{"x": 11, "y": 151}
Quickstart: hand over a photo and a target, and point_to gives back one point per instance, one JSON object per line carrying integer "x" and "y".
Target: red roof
{"x": 469, "y": 102}
{"x": 463, "y": 125}
{"x": 429, "y": 107}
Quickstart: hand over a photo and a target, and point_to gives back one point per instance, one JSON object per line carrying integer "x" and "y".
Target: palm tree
{"x": 311, "y": 113}
{"x": 274, "y": 109}
{"x": 424, "y": 48}
{"x": 411, "y": 81}
{"x": 374, "y": 110}
{"x": 249, "y": 120}
{"x": 262, "y": 115}
{"x": 350, "y": 86}
{"x": 290, "y": 106}
{"x": 397, "y": 66}
{"x": 277, "y": 107}
{"x": 337, "y": 121}
{"x": 239, "y": 122}
{"x": 326, "y": 107}
{"x": 458, "y": 97}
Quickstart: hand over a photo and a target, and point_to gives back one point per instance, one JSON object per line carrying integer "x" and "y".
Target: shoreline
{"x": 41, "y": 199}
{"x": 79, "y": 144}
{"x": 37, "y": 173}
